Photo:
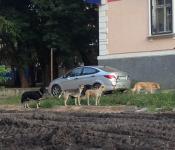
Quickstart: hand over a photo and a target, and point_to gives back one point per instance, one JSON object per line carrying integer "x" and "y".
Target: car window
{"x": 89, "y": 70}
{"x": 74, "y": 73}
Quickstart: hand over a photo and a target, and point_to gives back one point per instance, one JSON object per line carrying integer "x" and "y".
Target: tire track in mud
{"x": 58, "y": 130}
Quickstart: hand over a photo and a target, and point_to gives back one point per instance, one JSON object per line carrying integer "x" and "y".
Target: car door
{"x": 71, "y": 80}
{"x": 89, "y": 75}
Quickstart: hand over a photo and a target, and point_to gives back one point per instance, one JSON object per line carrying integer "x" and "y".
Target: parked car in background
{"x": 91, "y": 75}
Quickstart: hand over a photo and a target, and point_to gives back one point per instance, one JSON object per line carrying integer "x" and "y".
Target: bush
{"x": 5, "y": 75}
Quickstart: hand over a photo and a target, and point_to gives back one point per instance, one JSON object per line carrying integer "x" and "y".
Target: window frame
{"x": 68, "y": 76}
{"x": 172, "y": 33}
{"x": 89, "y": 73}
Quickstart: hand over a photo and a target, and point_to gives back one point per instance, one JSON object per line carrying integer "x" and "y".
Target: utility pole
{"x": 51, "y": 64}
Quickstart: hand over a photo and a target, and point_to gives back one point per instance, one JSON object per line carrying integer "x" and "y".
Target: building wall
{"x": 156, "y": 68}
{"x": 128, "y": 28}
{"x": 129, "y": 45}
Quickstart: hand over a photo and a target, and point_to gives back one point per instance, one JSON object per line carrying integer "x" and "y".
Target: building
{"x": 138, "y": 36}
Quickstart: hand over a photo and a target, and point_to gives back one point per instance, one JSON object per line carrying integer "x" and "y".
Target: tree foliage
{"x": 30, "y": 28}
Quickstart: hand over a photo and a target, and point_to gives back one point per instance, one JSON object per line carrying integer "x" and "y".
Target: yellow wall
{"x": 128, "y": 28}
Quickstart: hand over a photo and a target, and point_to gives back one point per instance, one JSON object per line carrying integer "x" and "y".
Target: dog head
{"x": 81, "y": 86}
{"x": 42, "y": 90}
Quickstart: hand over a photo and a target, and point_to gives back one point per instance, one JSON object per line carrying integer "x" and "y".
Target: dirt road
{"x": 52, "y": 130}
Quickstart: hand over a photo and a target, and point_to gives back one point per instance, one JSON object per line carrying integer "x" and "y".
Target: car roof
{"x": 101, "y": 67}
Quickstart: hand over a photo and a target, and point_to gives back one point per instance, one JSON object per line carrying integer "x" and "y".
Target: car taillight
{"x": 109, "y": 76}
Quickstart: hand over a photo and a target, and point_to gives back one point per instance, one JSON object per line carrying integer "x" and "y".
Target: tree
{"x": 69, "y": 26}
{"x": 16, "y": 35}
{"x": 36, "y": 26}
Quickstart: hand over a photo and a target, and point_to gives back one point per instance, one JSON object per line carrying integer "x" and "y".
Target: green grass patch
{"x": 10, "y": 100}
{"x": 151, "y": 101}
{"x": 164, "y": 101}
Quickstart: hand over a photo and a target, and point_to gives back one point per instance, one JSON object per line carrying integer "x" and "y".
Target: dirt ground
{"x": 85, "y": 128}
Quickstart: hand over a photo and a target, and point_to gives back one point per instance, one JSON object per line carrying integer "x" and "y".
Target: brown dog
{"x": 95, "y": 93}
{"x": 147, "y": 86}
{"x": 75, "y": 93}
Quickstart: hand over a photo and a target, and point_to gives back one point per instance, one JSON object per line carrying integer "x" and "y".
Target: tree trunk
{"x": 32, "y": 75}
{"x": 45, "y": 75}
{"x": 23, "y": 79}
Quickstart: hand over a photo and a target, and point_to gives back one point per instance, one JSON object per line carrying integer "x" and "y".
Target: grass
{"x": 151, "y": 101}
{"x": 10, "y": 100}
{"x": 164, "y": 101}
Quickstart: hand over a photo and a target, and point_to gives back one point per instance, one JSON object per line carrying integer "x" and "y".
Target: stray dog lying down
{"x": 147, "y": 86}
{"x": 75, "y": 93}
{"x": 96, "y": 93}
{"x": 32, "y": 95}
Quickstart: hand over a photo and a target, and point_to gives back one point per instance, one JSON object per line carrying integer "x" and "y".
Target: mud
{"x": 48, "y": 130}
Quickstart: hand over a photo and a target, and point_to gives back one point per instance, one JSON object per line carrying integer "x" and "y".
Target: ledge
{"x": 160, "y": 36}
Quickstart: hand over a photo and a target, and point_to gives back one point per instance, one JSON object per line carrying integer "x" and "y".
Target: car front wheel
{"x": 56, "y": 90}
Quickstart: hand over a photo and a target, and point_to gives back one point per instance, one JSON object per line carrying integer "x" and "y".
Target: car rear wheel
{"x": 56, "y": 90}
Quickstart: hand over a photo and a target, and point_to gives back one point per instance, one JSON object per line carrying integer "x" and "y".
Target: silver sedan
{"x": 111, "y": 78}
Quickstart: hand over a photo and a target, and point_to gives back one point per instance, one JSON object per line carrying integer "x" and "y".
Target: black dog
{"x": 86, "y": 87}
{"x": 32, "y": 95}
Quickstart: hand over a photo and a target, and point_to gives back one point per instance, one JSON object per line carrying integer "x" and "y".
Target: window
{"x": 87, "y": 71}
{"x": 74, "y": 73}
{"x": 161, "y": 17}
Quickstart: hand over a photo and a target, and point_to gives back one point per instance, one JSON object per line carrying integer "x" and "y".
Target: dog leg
{"x": 60, "y": 94}
{"x": 79, "y": 100}
{"x": 96, "y": 100}
{"x": 75, "y": 100}
{"x": 152, "y": 91}
{"x": 88, "y": 100}
{"x": 37, "y": 106}
{"x": 65, "y": 96}
{"x": 99, "y": 100}
{"x": 27, "y": 105}
{"x": 65, "y": 101}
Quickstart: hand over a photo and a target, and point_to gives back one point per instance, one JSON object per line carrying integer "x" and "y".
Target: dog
{"x": 86, "y": 87}
{"x": 32, "y": 95}
{"x": 147, "y": 86}
{"x": 75, "y": 93}
{"x": 95, "y": 93}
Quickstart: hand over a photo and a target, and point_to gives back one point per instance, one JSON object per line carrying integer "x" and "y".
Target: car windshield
{"x": 108, "y": 69}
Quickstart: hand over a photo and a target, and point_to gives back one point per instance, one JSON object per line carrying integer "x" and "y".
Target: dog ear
{"x": 81, "y": 86}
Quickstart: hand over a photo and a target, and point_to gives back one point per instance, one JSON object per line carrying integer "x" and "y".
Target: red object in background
{"x": 109, "y": 76}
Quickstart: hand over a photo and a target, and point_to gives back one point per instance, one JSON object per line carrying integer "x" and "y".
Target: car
{"x": 112, "y": 78}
